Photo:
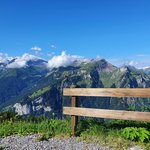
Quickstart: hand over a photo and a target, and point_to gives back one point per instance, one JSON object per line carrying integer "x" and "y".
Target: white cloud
{"x": 36, "y": 48}
{"x": 132, "y": 63}
{"x": 4, "y": 58}
{"x": 64, "y": 60}
{"x": 138, "y": 63}
{"x": 20, "y": 62}
{"x": 122, "y": 62}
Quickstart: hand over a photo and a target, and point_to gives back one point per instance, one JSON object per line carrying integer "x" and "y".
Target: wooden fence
{"x": 75, "y": 111}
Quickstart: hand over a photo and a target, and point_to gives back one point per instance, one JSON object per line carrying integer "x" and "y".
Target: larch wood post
{"x": 74, "y": 119}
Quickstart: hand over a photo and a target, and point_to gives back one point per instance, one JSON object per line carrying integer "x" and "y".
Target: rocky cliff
{"x": 38, "y": 91}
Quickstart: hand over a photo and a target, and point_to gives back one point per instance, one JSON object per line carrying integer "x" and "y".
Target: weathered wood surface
{"x": 108, "y": 92}
{"x": 111, "y": 114}
{"x": 74, "y": 118}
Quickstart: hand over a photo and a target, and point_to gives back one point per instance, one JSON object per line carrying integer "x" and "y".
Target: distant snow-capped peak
{"x": 4, "y": 58}
{"x": 20, "y": 61}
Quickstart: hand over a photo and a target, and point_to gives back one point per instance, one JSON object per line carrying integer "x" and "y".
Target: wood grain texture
{"x": 74, "y": 118}
{"x": 108, "y": 92}
{"x": 111, "y": 114}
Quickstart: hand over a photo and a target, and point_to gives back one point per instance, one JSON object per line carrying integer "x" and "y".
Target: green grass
{"x": 115, "y": 134}
{"x": 39, "y": 92}
{"x": 48, "y": 127}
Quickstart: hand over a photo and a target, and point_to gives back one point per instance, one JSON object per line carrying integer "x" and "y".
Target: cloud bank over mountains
{"x": 139, "y": 61}
{"x": 64, "y": 60}
{"x": 4, "y": 58}
{"x": 20, "y": 62}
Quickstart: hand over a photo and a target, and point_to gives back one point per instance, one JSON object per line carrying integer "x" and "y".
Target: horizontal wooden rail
{"x": 104, "y": 113}
{"x": 108, "y": 92}
{"x": 74, "y": 111}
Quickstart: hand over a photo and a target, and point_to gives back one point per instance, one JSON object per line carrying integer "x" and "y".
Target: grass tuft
{"x": 115, "y": 134}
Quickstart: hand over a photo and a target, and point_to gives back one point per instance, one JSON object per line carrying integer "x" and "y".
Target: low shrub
{"x": 136, "y": 134}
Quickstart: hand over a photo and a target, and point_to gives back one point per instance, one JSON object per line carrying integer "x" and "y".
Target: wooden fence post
{"x": 75, "y": 111}
{"x": 74, "y": 119}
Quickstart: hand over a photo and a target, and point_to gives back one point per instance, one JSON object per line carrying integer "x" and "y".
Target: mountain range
{"x": 36, "y": 89}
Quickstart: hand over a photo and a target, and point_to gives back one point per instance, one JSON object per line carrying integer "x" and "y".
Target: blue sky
{"x": 118, "y": 30}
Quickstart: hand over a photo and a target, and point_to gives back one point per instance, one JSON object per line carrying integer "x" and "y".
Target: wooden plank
{"x": 74, "y": 118}
{"x": 103, "y": 113}
{"x": 108, "y": 92}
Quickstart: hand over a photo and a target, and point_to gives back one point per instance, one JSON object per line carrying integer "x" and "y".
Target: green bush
{"x": 116, "y": 134}
{"x": 136, "y": 134}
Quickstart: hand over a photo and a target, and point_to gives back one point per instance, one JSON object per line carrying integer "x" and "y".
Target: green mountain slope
{"x": 16, "y": 82}
{"x": 38, "y": 91}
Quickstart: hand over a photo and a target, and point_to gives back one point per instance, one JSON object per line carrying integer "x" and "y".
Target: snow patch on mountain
{"x": 20, "y": 62}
